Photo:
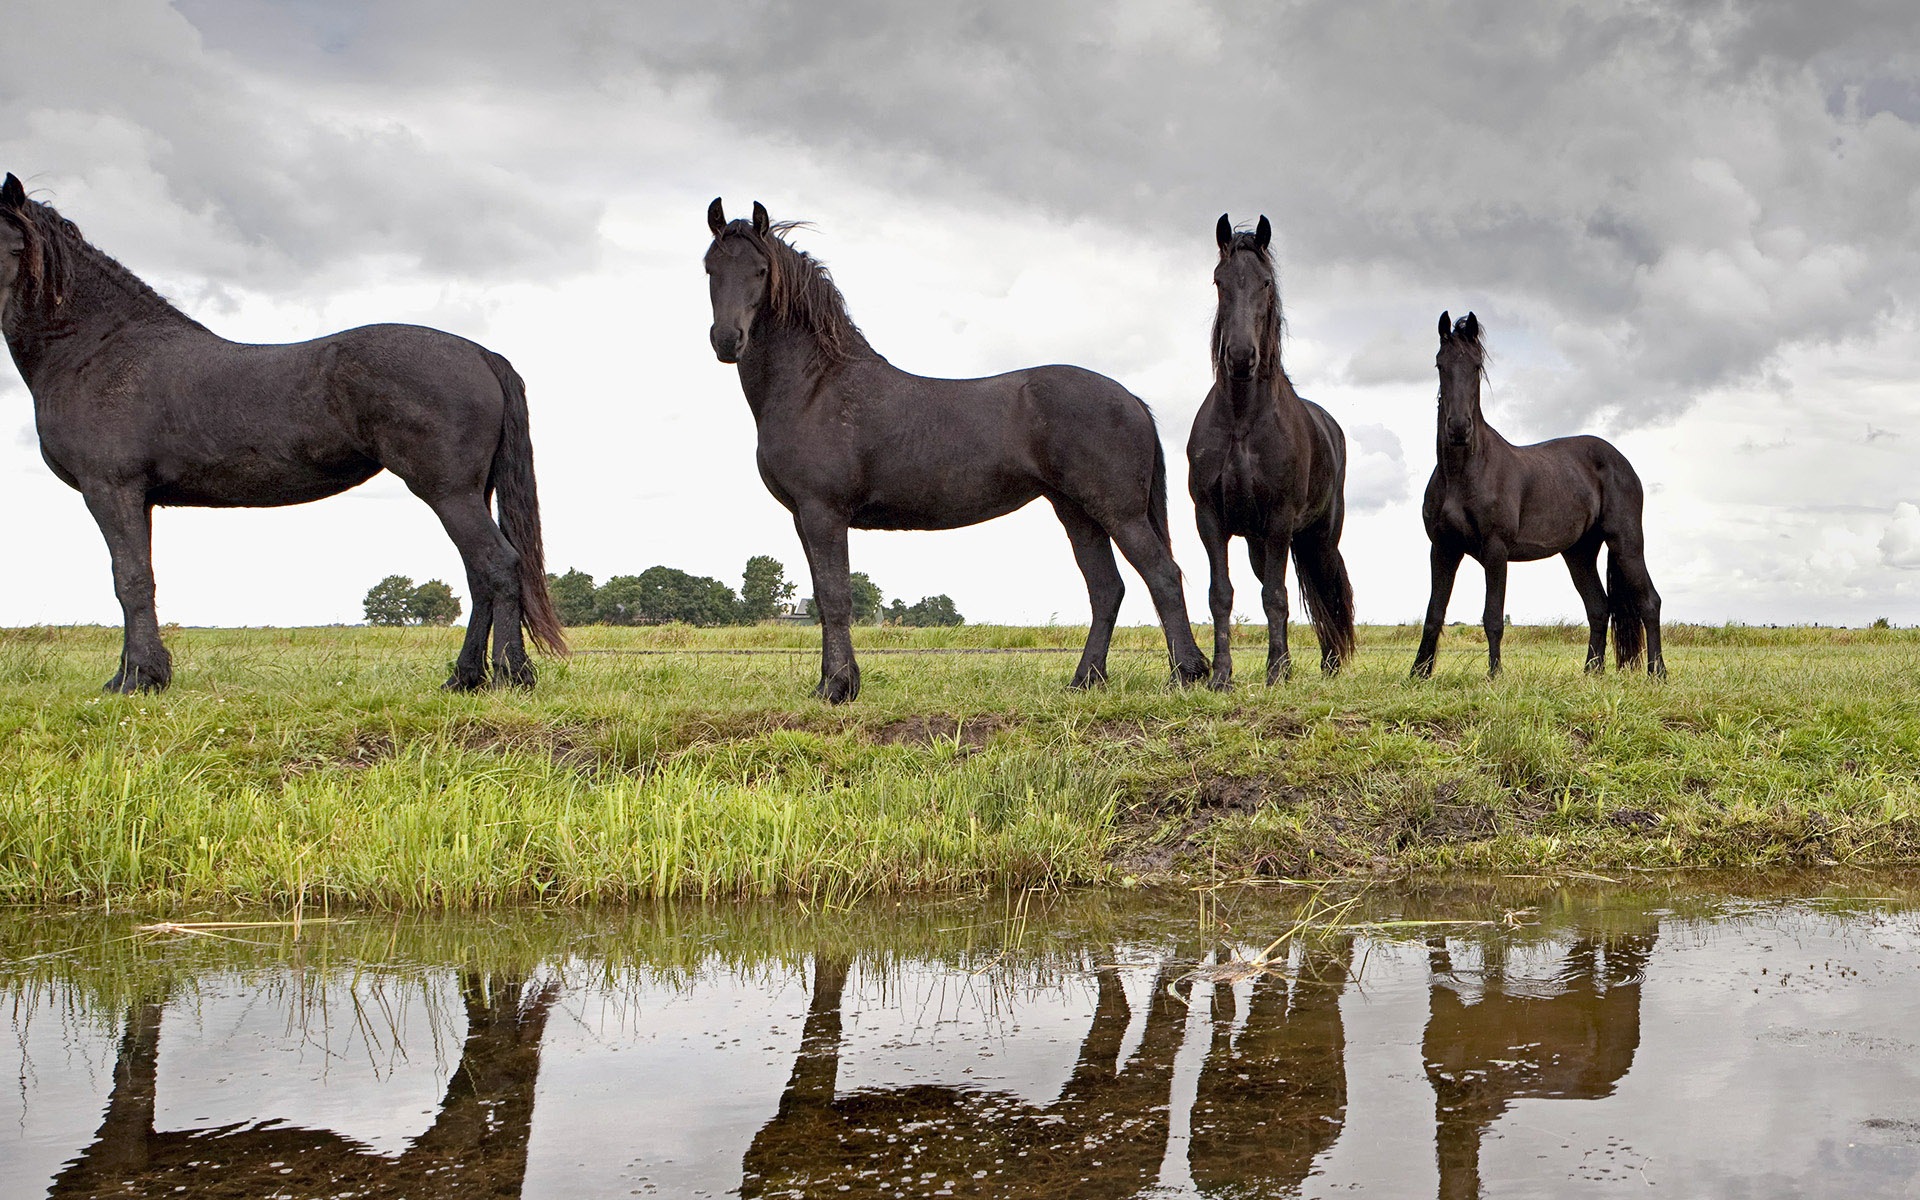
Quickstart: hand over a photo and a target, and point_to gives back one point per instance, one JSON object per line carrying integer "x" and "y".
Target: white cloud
{"x": 1900, "y": 542}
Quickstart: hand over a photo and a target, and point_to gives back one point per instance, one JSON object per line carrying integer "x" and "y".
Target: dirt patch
{"x": 970, "y": 732}
{"x": 1637, "y": 819}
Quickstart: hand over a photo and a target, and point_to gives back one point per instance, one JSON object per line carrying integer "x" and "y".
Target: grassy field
{"x": 314, "y": 767}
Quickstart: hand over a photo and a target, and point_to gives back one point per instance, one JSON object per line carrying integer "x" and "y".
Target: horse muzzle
{"x": 728, "y": 344}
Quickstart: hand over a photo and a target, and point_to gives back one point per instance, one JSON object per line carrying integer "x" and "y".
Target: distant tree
{"x": 433, "y": 603}
{"x": 387, "y": 601}
{"x": 929, "y": 611}
{"x": 763, "y": 589}
{"x": 617, "y": 601}
{"x": 573, "y": 597}
{"x": 866, "y": 599}
{"x": 661, "y": 594}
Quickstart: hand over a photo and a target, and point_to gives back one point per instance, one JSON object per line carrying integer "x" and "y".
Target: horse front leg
{"x": 1494, "y": 619}
{"x": 1219, "y": 595}
{"x": 1445, "y": 564}
{"x": 126, "y": 522}
{"x": 1272, "y": 569}
{"x": 824, "y": 537}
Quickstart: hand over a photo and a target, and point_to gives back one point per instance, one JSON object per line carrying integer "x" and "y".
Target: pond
{"x": 1516, "y": 1037}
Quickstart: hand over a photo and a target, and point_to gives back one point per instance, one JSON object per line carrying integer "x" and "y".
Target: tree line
{"x": 658, "y": 595}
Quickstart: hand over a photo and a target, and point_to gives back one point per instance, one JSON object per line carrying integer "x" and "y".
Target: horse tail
{"x": 1157, "y": 495}
{"x": 511, "y": 480}
{"x": 1329, "y": 597}
{"x": 1629, "y": 635}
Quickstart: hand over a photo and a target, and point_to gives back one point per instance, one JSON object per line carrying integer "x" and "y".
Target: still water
{"x": 1504, "y": 1038}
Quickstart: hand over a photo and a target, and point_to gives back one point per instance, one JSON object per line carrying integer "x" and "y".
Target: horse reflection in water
{"x": 1507, "y": 1035}
{"x": 1271, "y": 1097}
{"x": 477, "y": 1145}
{"x": 1273, "y": 1091}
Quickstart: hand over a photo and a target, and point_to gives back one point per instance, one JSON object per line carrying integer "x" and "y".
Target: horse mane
{"x": 1475, "y": 347}
{"x": 1270, "y": 333}
{"x": 802, "y": 292}
{"x": 53, "y": 248}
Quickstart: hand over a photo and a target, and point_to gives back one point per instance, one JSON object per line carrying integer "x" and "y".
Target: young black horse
{"x": 847, "y": 439}
{"x": 1503, "y": 503}
{"x": 1267, "y": 466}
{"x": 139, "y": 405}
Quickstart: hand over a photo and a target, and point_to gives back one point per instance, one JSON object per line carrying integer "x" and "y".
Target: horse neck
{"x": 101, "y": 300}
{"x": 1486, "y": 443}
{"x": 784, "y": 364}
{"x": 1267, "y": 397}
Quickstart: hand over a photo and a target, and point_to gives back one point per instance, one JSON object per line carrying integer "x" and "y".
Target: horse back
{"x": 208, "y": 422}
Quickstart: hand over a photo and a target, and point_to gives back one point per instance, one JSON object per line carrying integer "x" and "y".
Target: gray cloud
{"x": 1669, "y": 193}
{"x": 210, "y": 166}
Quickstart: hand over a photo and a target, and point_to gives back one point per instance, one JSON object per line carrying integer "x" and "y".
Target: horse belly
{"x": 253, "y": 480}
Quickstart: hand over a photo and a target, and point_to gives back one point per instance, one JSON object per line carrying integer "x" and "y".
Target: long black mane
{"x": 802, "y": 292}
{"x": 54, "y": 261}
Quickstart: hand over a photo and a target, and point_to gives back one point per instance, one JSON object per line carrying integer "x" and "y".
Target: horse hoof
{"x": 133, "y": 680}
{"x": 1088, "y": 681}
{"x": 521, "y": 677}
{"x": 837, "y": 690}
{"x": 460, "y": 682}
{"x": 1220, "y": 683}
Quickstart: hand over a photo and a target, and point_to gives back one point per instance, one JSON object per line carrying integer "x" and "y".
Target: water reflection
{"x": 477, "y": 1143}
{"x": 951, "y": 1052}
{"x": 1104, "y": 1135}
{"x": 1273, "y": 1089}
{"x": 1522, "y": 1027}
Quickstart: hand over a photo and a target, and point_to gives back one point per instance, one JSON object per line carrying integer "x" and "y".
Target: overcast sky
{"x": 1692, "y": 228}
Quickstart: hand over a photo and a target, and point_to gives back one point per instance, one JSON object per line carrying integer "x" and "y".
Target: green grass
{"x": 322, "y": 766}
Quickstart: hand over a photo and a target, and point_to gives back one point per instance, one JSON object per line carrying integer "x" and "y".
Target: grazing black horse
{"x": 139, "y": 405}
{"x": 1267, "y": 466}
{"x": 1503, "y": 503}
{"x": 847, "y": 439}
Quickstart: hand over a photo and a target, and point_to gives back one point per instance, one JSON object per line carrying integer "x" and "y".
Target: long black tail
{"x": 518, "y": 501}
{"x": 1629, "y": 635}
{"x": 1157, "y": 498}
{"x": 1329, "y": 597}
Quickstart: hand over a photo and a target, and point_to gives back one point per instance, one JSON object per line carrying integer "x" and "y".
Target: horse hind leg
{"x": 492, "y": 577}
{"x": 1151, "y": 557}
{"x": 1582, "y": 561}
{"x": 1093, "y": 551}
{"x": 1635, "y": 604}
{"x": 126, "y": 522}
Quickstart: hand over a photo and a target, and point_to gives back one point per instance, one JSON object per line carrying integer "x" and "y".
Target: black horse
{"x": 1503, "y": 503}
{"x": 1267, "y": 466}
{"x": 139, "y": 405}
{"x": 847, "y": 439}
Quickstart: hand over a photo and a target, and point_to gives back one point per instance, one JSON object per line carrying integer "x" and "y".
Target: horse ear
{"x": 1263, "y": 232}
{"x": 1470, "y": 327}
{"x": 11, "y": 193}
{"x": 716, "y": 217}
{"x": 1222, "y": 232}
{"x": 1446, "y": 325}
{"x": 760, "y": 222}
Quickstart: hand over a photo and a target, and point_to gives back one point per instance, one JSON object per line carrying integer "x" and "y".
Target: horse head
{"x": 739, "y": 278}
{"x": 1460, "y": 361}
{"x": 13, "y": 238}
{"x": 1246, "y": 326}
